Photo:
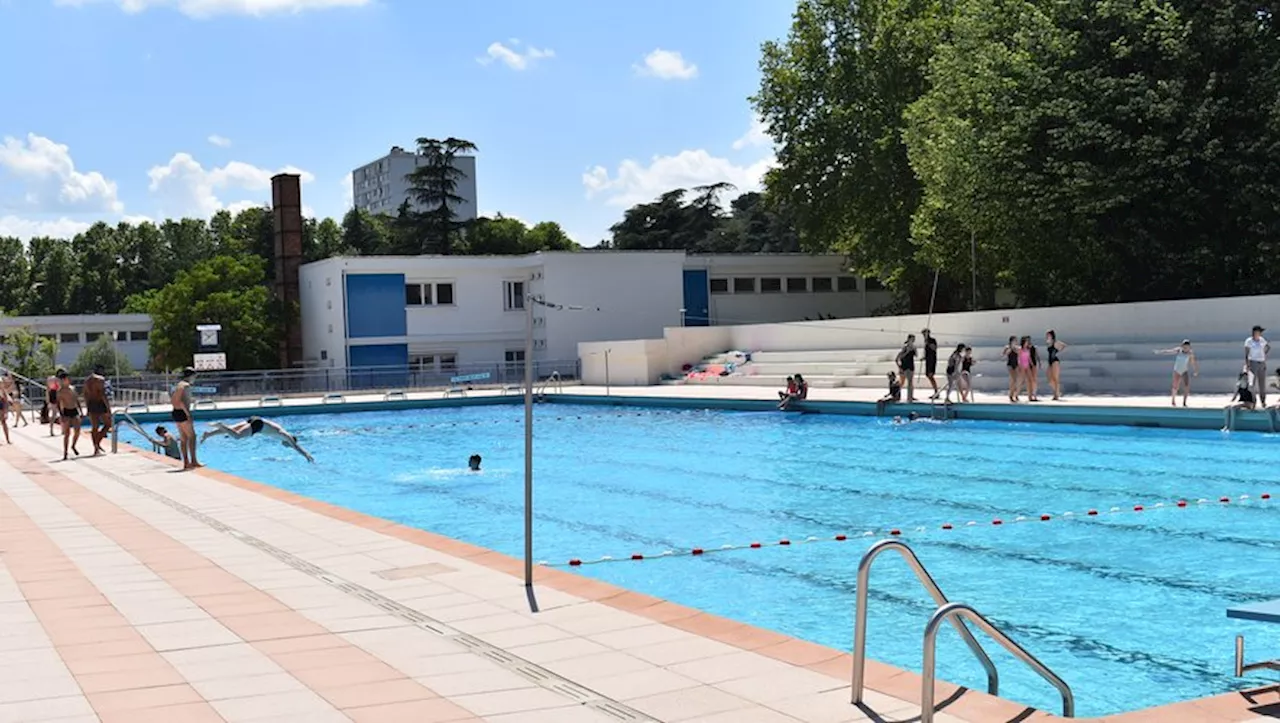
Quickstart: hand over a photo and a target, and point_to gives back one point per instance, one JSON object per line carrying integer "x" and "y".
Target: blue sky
{"x": 158, "y": 108}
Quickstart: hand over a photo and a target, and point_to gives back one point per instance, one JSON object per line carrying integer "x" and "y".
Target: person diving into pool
{"x": 253, "y": 426}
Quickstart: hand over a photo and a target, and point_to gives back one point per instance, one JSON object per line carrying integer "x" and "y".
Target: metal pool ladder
{"x": 947, "y": 612}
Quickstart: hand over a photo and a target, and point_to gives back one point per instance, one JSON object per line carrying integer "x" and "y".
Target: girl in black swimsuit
{"x": 966, "y": 381}
{"x": 1011, "y": 360}
{"x": 1054, "y": 372}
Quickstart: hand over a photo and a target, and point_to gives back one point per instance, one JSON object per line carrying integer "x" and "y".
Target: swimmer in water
{"x": 473, "y": 463}
{"x": 253, "y": 426}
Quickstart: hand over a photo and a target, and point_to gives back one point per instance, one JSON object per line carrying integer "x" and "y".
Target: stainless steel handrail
{"x": 555, "y": 377}
{"x": 931, "y": 587}
{"x": 952, "y": 612}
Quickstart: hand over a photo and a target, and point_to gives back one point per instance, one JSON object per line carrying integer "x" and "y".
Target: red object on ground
{"x": 755, "y": 545}
{"x": 1137, "y": 508}
{"x": 997, "y": 521}
{"x": 637, "y": 556}
{"x": 946, "y": 526}
{"x": 696, "y": 551}
{"x": 784, "y": 542}
{"x": 1044, "y": 518}
{"x": 1092, "y": 512}
{"x": 1224, "y": 500}
{"x": 575, "y": 562}
{"x": 1182, "y": 503}
{"x": 841, "y": 538}
{"x": 895, "y": 531}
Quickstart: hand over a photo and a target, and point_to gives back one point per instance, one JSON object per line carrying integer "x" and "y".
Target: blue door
{"x": 697, "y": 301}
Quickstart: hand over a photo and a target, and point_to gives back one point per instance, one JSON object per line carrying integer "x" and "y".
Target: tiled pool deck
{"x": 132, "y": 592}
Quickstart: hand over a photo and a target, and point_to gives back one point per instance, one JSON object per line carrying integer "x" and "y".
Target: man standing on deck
{"x": 68, "y": 410}
{"x": 95, "y": 399}
{"x": 181, "y": 401}
{"x": 1256, "y": 350}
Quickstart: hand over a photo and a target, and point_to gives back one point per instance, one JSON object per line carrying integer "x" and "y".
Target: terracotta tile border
{"x": 93, "y": 639}
{"x": 973, "y": 705}
{"x": 348, "y": 677}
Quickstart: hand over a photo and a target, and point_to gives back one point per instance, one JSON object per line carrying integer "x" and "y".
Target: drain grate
{"x": 533, "y": 672}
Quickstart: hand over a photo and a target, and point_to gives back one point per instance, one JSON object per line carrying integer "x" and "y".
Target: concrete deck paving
{"x": 132, "y": 592}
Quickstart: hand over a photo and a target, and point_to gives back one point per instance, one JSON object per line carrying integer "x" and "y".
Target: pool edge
{"x": 969, "y": 704}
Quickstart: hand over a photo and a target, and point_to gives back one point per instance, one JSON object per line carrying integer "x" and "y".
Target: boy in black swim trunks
{"x": 253, "y": 426}
{"x": 68, "y": 407}
{"x": 95, "y": 398}
{"x": 181, "y": 401}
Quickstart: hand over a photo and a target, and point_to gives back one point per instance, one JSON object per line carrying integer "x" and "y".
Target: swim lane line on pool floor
{"x": 906, "y": 531}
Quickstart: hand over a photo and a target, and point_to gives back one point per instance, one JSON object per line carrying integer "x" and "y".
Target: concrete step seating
{"x": 1111, "y": 368}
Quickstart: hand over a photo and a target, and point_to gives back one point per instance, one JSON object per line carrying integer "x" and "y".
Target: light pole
{"x": 529, "y": 301}
{"x": 606, "y": 372}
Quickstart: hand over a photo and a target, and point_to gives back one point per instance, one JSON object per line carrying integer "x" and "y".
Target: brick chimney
{"x": 286, "y": 212}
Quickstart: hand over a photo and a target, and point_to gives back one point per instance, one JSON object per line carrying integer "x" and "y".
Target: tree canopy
{"x": 701, "y": 224}
{"x": 1078, "y": 150}
{"x": 102, "y": 351}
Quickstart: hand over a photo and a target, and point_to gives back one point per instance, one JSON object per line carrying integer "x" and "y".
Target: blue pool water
{"x": 1129, "y": 608}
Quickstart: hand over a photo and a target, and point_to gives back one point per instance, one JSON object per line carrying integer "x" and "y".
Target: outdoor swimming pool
{"x": 1128, "y": 607}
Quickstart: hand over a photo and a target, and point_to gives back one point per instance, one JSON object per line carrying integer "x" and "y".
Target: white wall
{"x": 323, "y": 313}
{"x": 638, "y": 294}
{"x": 758, "y": 306}
{"x": 130, "y": 328}
{"x": 621, "y": 363}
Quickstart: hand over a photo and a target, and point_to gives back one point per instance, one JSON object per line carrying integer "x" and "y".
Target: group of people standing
{"x": 959, "y": 370}
{"x": 1023, "y": 361}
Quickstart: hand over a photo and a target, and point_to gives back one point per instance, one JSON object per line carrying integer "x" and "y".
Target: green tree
{"x": 103, "y": 352}
{"x": 97, "y": 286}
{"x": 226, "y": 290}
{"x": 28, "y": 354}
{"x": 1104, "y": 152}
{"x": 500, "y": 235}
{"x": 145, "y": 261}
{"x": 433, "y": 188}
{"x": 52, "y": 274}
{"x": 833, "y": 96}
{"x": 549, "y": 236}
{"x": 364, "y": 234}
{"x": 326, "y": 241}
{"x": 15, "y": 273}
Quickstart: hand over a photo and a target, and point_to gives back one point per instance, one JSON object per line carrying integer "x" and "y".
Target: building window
{"x": 69, "y": 338}
{"x": 324, "y": 354}
{"x": 513, "y": 291}
{"x": 515, "y": 363}
{"x": 719, "y": 286}
{"x": 821, "y": 283}
{"x": 797, "y": 285}
{"x": 770, "y": 285}
{"x": 846, "y": 283}
{"x": 448, "y": 363}
{"x": 444, "y": 294}
{"x": 91, "y": 336}
{"x": 744, "y": 285}
{"x": 139, "y": 335}
{"x": 422, "y": 363}
{"x": 413, "y": 294}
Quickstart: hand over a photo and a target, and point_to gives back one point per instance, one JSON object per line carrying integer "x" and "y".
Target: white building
{"x": 382, "y": 185}
{"x": 73, "y": 332}
{"x": 466, "y": 314}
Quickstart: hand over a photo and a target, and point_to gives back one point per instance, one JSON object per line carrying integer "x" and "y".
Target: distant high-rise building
{"x": 382, "y": 185}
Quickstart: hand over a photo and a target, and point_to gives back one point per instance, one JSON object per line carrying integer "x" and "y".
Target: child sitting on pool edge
{"x": 894, "y": 395}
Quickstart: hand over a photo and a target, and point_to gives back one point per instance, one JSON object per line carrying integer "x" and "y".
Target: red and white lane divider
{"x": 900, "y": 531}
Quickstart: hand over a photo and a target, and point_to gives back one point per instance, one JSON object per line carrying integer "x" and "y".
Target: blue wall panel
{"x": 375, "y": 306}
{"x": 697, "y": 300}
{"x": 379, "y": 366}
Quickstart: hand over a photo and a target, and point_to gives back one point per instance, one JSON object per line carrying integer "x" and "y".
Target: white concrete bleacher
{"x": 1095, "y": 369}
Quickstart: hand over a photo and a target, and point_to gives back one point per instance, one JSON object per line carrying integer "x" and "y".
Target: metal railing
{"x": 321, "y": 381}
{"x": 555, "y": 380}
{"x": 952, "y": 612}
{"x": 935, "y": 592}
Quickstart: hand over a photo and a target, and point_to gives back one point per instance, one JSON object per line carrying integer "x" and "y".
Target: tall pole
{"x": 606, "y": 371}
{"x": 973, "y": 270}
{"x": 528, "y": 439}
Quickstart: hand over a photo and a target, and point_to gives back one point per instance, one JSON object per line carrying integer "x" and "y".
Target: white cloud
{"x": 667, "y": 65}
{"x": 201, "y": 9}
{"x": 185, "y": 188}
{"x": 635, "y": 182}
{"x": 512, "y": 57}
{"x": 756, "y": 135}
{"x": 54, "y": 184}
{"x": 25, "y": 228}
{"x": 220, "y": 141}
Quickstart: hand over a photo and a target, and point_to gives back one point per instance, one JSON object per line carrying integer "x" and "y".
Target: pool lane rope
{"x": 902, "y": 531}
